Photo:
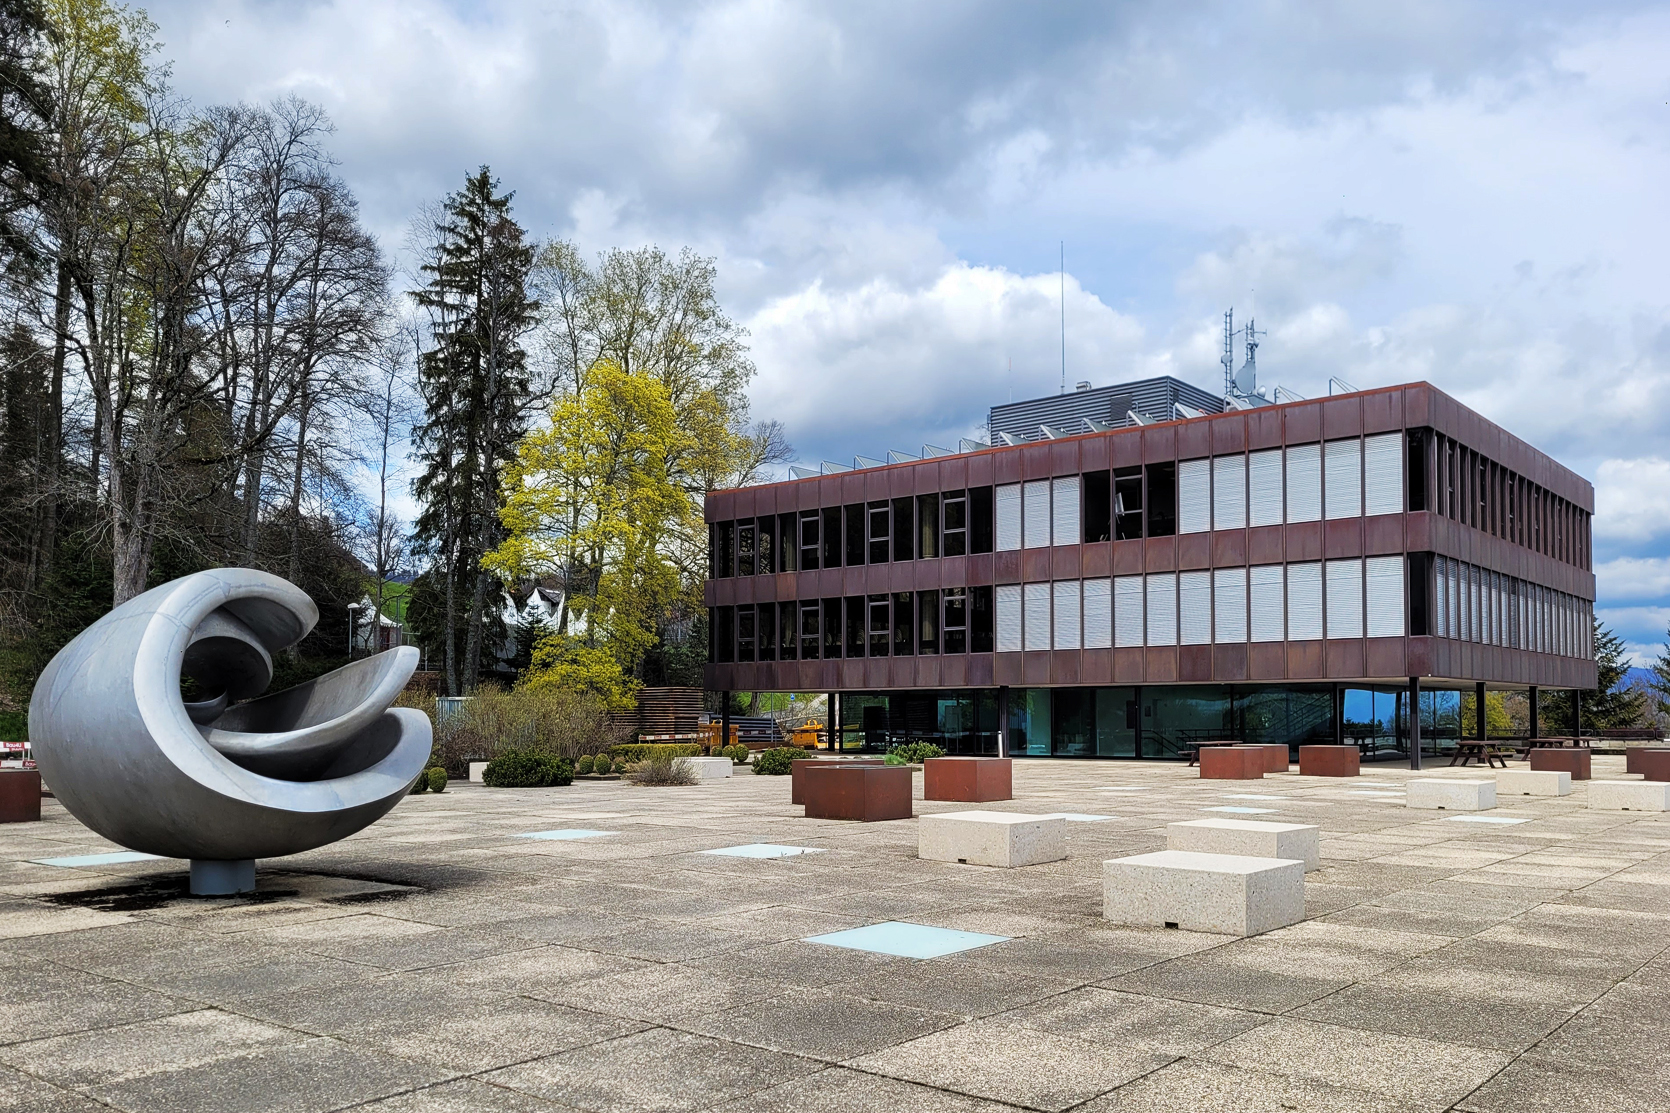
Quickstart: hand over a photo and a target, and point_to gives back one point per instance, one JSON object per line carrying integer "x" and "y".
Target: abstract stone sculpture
{"x": 218, "y": 781}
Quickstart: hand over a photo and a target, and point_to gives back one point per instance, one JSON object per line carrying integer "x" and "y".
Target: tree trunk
{"x": 51, "y": 462}
{"x": 296, "y": 491}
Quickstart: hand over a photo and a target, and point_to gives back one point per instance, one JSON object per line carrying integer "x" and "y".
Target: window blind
{"x": 1345, "y": 598}
{"x": 1269, "y": 606}
{"x": 1007, "y": 511}
{"x": 1383, "y": 474}
{"x": 1098, "y": 614}
{"x": 1194, "y": 496}
{"x": 1441, "y": 585}
{"x": 1229, "y": 492}
{"x": 1304, "y": 602}
{"x": 1342, "y": 477}
{"x": 1264, "y": 488}
{"x": 1067, "y": 633}
{"x": 1036, "y": 604}
{"x": 1036, "y": 512}
{"x": 1383, "y": 579}
{"x": 1194, "y": 608}
{"x": 1006, "y": 601}
{"x": 1162, "y": 608}
{"x": 1127, "y": 611}
{"x": 1304, "y": 483}
{"x": 1064, "y": 510}
{"x": 1229, "y": 605}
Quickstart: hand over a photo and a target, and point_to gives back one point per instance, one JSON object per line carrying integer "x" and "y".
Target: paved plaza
{"x": 583, "y": 948}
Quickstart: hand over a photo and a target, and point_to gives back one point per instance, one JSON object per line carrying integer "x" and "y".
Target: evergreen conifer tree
{"x": 1609, "y": 705}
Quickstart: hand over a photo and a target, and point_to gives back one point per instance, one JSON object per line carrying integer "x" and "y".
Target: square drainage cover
{"x": 1483, "y": 819}
{"x": 763, "y": 850}
{"x": 1242, "y": 811}
{"x": 115, "y": 858}
{"x": 907, "y": 940}
{"x": 565, "y": 834}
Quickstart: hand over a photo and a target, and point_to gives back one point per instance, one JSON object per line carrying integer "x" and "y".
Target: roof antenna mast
{"x": 1064, "y": 316}
{"x": 1228, "y": 358}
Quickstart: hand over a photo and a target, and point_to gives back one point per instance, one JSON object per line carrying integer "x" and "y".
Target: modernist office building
{"x": 1294, "y": 572}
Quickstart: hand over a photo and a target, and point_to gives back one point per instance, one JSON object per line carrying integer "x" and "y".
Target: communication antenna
{"x": 1228, "y": 358}
{"x": 1064, "y": 316}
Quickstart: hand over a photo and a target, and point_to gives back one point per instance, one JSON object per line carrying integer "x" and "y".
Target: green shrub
{"x": 539, "y": 719}
{"x": 436, "y": 776}
{"x": 583, "y": 766}
{"x": 776, "y": 762}
{"x": 738, "y": 753}
{"x": 640, "y": 751}
{"x": 421, "y": 784}
{"x": 665, "y": 769}
{"x": 915, "y": 753}
{"x": 601, "y": 765}
{"x": 527, "y": 769}
{"x": 895, "y": 759}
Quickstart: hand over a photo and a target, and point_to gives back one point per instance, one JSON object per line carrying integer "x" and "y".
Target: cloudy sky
{"x": 1468, "y": 194}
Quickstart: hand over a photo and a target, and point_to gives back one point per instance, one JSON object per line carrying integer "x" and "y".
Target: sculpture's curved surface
{"x": 217, "y": 780}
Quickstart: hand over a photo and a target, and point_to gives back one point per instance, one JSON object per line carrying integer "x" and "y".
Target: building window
{"x": 1064, "y": 510}
{"x": 857, "y": 526}
{"x": 954, "y": 511}
{"x": 956, "y": 620}
{"x": 981, "y": 635}
{"x": 1383, "y": 478}
{"x": 1304, "y": 602}
{"x": 1345, "y": 598}
{"x": 1127, "y": 612}
{"x": 881, "y": 626}
{"x": 725, "y": 536}
{"x": 1304, "y": 483}
{"x": 831, "y": 629}
{"x": 810, "y": 549}
{"x": 1161, "y": 601}
{"x": 927, "y": 619}
{"x": 745, "y": 634}
{"x": 1035, "y": 502}
{"x": 1194, "y": 496}
{"x": 980, "y": 520}
{"x": 788, "y": 542}
{"x": 1229, "y": 605}
{"x": 809, "y": 634}
{"x": 1268, "y": 603}
{"x": 1383, "y": 587}
{"x": 927, "y": 524}
{"x": 904, "y": 628}
{"x": 1162, "y": 500}
{"x": 855, "y": 625}
{"x": 1008, "y": 517}
{"x": 788, "y": 626}
{"x": 1066, "y": 605}
{"x": 1194, "y": 608}
{"x": 1229, "y": 492}
{"x": 1127, "y": 504}
{"x": 1342, "y": 478}
{"x": 881, "y": 532}
{"x": 724, "y": 634}
{"x": 766, "y": 631}
{"x": 831, "y": 537}
{"x": 745, "y": 548}
{"x": 1264, "y": 488}
{"x": 1098, "y": 614}
{"x": 902, "y": 528}
{"x": 1008, "y": 598}
{"x": 764, "y": 558}
{"x": 1098, "y": 507}
{"x": 1035, "y": 603}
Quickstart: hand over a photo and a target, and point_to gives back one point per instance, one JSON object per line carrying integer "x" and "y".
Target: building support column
{"x": 1577, "y": 717}
{"x": 1136, "y": 734}
{"x": 1339, "y": 715}
{"x": 1003, "y": 721}
{"x": 1478, "y": 710}
{"x": 724, "y": 718}
{"x": 1414, "y": 722}
{"x": 1533, "y": 695}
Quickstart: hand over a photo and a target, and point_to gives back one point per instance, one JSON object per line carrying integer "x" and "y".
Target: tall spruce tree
{"x": 477, "y": 396}
{"x": 1609, "y": 705}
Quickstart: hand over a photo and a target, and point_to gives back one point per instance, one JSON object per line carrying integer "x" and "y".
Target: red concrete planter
{"x": 1275, "y": 757}
{"x": 797, "y": 792}
{"x": 1330, "y": 761}
{"x": 971, "y": 779}
{"x": 1232, "y": 763}
{"x": 1632, "y": 757}
{"x": 1573, "y": 761}
{"x": 846, "y": 790}
{"x": 20, "y": 795}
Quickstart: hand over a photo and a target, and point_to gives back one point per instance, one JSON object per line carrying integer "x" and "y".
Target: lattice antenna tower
{"x": 1228, "y": 358}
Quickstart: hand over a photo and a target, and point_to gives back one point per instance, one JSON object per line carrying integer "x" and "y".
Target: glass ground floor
{"x": 1153, "y": 722}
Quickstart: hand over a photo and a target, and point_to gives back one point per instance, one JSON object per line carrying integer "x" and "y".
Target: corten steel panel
{"x": 1093, "y": 453}
{"x": 929, "y": 673}
{"x": 981, "y": 671}
{"x": 1264, "y": 428}
{"x": 1264, "y": 544}
{"x": 1304, "y": 661}
{"x": 901, "y": 576}
{"x": 1342, "y": 417}
{"x": 1194, "y": 663}
{"x": 1417, "y": 405}
{"x": 1066, "y": 562}
{"x": 1229, "y": 662}
{"x": 1418, "y": 530}
{"x": 901, "y": 672}
{"x": 1064, "y": 457}
{"x": 1304, "y": 541}
{"x": 1342, "y": 538}
{"x": 1006, "y": 567}
{"x": 1035, "y": 461}
{"x": 968, "y": 779}
{"x": 866, "y": 793}
{"x": 980, "y": 570}
{"x": 710, "y": 593}
{"x": 1345, "y": 658}
{"x": 1383, "y": 533}
{"x": 1229, "y": 434}
{"x": 1006, "y": 466}
{"x": 1064, "y": 667}
{"x": 876, "y": 485}
{"x": 1096, "y": 666}
{"x": 855, "y": 580}
{"x": 1128, "y": 665}
{"x": 1160, "y": 554}
{"x": 929, "y": 573}
{"x": 981, "y": 469}
{"x": 1229, "y": 548}
{"x": 953, "y": 571}
{"x": 765, "y": 499}
{"x": 1194, "y": 550}
{"x": 875, "y": 672}
{"x": 1127, "y": 558}
{"x": 1194, "y": 438}
{"x": 1006, "y": 669}
{"x": 1035, "y": 565}
{"x": 716, "y": 507}
{"x": 1098, "y": 560}
{"x": 953, "y": 473}
{"x": 953, "y": 670}
{"x": 724, "y": 592}
{"x": 745, "y": 502}
{"x": 852, "y": 675}
{"x": 829, "y": 581}
{"x": 1159, "y": 443}
{"x": 1385, "y": 657}
{"x": 1382, "y": 411}
{"x": 1304, "y": 423}
{"x": 1426, "y": 656}
{"x": 907, "y": 481}
{"x": 1035, "y": 667}
{"x": 1160, "y": 664}
{"x": 1125, "y": 451}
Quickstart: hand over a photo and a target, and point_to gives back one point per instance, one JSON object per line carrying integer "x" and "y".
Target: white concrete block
{"x": 711, "y": 768}
{"x": 1533, "y": 782}
{"x": 1230, "y": 894}
{"x": 992, "y": 838}
{"x": 476, "y": 769}
{"x": 1450, "y": 795}
{"x": 1630, "y": 796}
{"x": 1250, "y": 837}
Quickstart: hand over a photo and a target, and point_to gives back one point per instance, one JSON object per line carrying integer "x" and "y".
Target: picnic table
{"x": 1485, "y": 752}
{"x": 1194, "y": 748}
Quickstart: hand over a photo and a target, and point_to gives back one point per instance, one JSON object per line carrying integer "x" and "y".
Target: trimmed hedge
{"x": 527, "y": 769}
{"x": 643, "y": 751}
{"x": 737, "y": 753}
{"x": 436, "y": 776}
{"x": 915, "y": 753}
{"x": 777, "y": 762}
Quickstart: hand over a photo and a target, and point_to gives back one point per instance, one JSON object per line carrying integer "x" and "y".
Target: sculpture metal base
{"x": 210, "y": 878}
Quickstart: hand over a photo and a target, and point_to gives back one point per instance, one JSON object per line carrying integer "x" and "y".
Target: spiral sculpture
{"x": 236, "y": 775}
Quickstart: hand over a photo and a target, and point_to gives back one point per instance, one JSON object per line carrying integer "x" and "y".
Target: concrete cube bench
{"x": 1574, "y": 761}
{"x": 20, "y": 795}
{"x": 848, "y": 790}
{"x": 992, "y": 838}
{"x": 477, "y": 769}
{"x": 1231, "y": 763}
{"x": 971, "y": 780}
{"x": 1632, "y": 756}
{"x": 797, "y": 768}
{"x": 1451, "y": 795}
{"x": 1253, "y": 838}
{"x": 1533, "y": 782}
{"x": 711, "y": 768}
{"x": 1275, "y": 757}
{"x": 1629, "y": 796}
{"x": 1225, "y": 893}
{"x": 1652, "y": 764}
{"x": 1330, "y": 761}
